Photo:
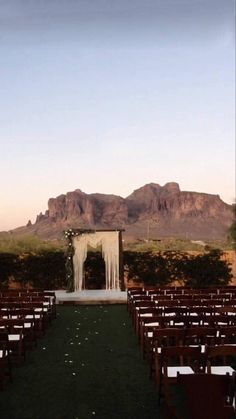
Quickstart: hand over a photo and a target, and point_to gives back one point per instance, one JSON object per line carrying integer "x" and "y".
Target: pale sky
{"x": 106, "y": 96}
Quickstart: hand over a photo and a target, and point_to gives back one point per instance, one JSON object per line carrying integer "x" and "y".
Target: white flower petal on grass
{"x": 93, "y": 413}
{"x": 44, "y": 348}
{"x": 73, "y": 373}
{"x": 66, "y": 354}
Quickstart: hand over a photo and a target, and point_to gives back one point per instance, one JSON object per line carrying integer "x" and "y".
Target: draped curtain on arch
{"x": 109, "y": 241}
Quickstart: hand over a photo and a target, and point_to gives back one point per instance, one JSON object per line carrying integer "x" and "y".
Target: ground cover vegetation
{"x": 18, "y": 244}
{"x": 11, "y": 242}
{"x": 89, "y": 365}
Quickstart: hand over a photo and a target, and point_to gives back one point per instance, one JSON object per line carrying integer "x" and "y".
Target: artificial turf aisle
{"x": 87, "y": 366}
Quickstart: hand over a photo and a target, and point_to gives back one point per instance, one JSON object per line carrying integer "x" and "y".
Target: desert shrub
{"x": 206, "y": 269}
{"x": 9, "y": 264}
{"x": 163, "y": 268}
{"x": 22, "y": 244}
{"x": 44, "y": 270}
{"x": 146, "y": 267}
{"x": 175, "y": 263}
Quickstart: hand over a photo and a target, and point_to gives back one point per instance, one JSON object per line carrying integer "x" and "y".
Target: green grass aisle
{"x": 87, "y": 366}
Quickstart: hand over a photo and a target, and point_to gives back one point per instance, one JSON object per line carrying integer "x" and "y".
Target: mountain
{"x": 152, "y": 211}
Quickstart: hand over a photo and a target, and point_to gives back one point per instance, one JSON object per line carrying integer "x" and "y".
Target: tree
{"x": 147, "y": 267}
{"x": 232, "y": 229}
{"x": 207, "y": 269}
{"x": 9, "y": 265}
{"x": 44, "y": 270}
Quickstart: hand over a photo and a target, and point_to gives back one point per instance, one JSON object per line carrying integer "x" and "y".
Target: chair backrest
{"x": 227, "y": 334}
{"x": 181, "y": 355}
{"x": 168, "y": 337}
{"x": 221, "y": 354}
{"x": 201, "y": 335}
{"x": 205, "y": 395}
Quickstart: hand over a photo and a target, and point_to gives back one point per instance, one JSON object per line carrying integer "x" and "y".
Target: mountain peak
{"x": 171, "y": 187}
{"x": 168, "y": 211}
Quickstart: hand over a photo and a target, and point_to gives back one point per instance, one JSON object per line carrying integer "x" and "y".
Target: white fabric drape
{"x": 109, "y": 240}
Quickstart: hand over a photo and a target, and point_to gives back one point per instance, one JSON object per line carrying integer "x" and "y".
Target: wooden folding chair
{"x": 227, "y": 335}
{"x": 204, "y": 397}
{"x": 163, "y": 337}
{"x": 182, "y": 359}
{"x": 221, "y": 360}
{"x": 5, "y": 365}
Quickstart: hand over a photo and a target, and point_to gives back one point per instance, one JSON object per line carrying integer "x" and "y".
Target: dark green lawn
{"x": 88, "y": 365}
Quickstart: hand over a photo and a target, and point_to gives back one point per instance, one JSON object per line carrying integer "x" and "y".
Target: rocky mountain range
{"x": 150, "y": 212}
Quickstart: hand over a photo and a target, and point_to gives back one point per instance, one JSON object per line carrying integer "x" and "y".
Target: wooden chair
{"x": 154, "y": 321}
{"x": 220, "y": 356}
{"x": 162, "y": 337}
{"x": 204, "y": 397}
{"x": 16, "y": 347}
{"x": 146, "y": 312}
{"x": 221, "y": 360}
{"x": 173, "y": 359}
{"x": 5, "y": 366}
{"x": 227, "y": 335}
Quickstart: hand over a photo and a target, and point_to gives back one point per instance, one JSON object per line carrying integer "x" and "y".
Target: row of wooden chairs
{"x": 20, "y": 327}
{"x": 182, "y": 293}
{"x": 195, "y": 336}
{"x": 146, "y": 301}
{"x": 170, "y": 330}
{"x": 145, "y": 323}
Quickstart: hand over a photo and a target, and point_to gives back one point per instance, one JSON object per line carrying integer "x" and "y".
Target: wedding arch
{"x": 110, "y": 242}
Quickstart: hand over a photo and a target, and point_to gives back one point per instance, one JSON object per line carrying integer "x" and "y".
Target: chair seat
{"x": 153, "y": 324}
{"x": 172, "y": 371}
{"x": 203, "y": 347}
{"x": 222, "y": 370}
{"x": 13, "y": 337}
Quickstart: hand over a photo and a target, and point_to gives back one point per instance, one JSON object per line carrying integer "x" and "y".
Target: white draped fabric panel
{"x": 109, "y": 240}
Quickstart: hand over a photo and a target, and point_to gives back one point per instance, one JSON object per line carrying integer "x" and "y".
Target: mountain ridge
{"x": 151, "y": 211}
